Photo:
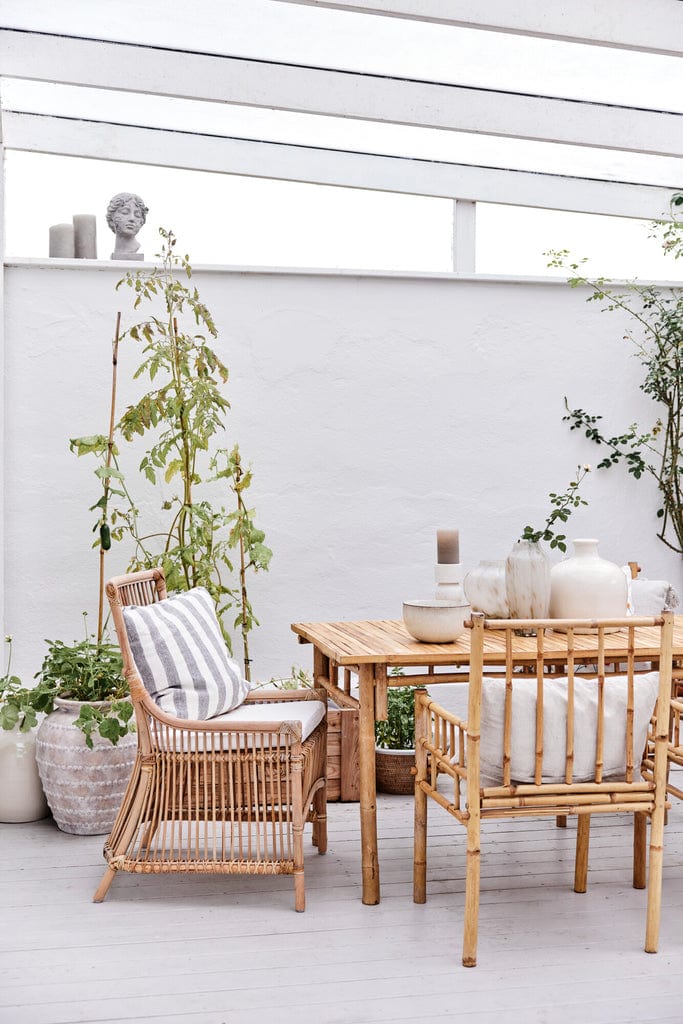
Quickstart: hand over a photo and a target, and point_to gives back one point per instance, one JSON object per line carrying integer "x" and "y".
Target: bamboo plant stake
{"x": 104, "y": 530}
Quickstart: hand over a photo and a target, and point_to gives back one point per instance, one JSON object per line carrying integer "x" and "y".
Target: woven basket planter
{"x": 393, "y": 771}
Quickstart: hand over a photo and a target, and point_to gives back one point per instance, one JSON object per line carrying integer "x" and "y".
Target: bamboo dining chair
{"x": 539, "y": 744}
{"x": 228, "y": 794}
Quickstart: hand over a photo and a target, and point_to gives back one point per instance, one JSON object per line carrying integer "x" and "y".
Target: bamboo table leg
{"x": 368, "y": 799}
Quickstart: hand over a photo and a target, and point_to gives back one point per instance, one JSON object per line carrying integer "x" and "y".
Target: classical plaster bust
{"x": 126, "y": 213}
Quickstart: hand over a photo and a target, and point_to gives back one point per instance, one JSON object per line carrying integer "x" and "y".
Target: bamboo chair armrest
{"x": 441, "y": 712}
{"x": 677, "y": 705}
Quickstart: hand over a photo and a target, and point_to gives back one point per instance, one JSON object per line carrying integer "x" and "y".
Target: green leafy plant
{"x": 398, "y": 732}
{"x": 657, "y": 337}
{"x": 91, "y": 671}
{"x": 184, "y": 413}
{"x": 21, "y": 705}
{"x": 563, "y": 506}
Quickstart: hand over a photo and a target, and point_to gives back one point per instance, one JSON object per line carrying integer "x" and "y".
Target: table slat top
{"x": 388, "y": 642}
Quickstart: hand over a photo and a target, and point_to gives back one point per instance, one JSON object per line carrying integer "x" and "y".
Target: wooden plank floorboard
{"x": 231, "y": 950}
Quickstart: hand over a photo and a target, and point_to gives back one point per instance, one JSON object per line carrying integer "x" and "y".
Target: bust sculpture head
{"x": 126, "y": 213}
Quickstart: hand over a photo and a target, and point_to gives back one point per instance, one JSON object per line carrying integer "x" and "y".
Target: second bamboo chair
{"x": 599, "y": 724}
{"x": 229, "y": 794}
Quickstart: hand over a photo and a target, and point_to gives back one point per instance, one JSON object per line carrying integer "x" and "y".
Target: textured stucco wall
{"x": 373, "y": 409}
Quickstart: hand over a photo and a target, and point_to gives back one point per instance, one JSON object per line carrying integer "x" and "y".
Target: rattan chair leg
{"x": 103, "y": 887}
{"x": 583, "y": 831}
{"x": 639, "y": 850}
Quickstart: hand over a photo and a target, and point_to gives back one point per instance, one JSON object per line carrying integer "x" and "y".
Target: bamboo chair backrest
{"x": 538, "y": 672}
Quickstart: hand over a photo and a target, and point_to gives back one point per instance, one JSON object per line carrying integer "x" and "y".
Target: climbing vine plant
{"x": 657, "y": 336}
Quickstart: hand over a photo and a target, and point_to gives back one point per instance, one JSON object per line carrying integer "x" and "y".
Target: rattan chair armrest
{"x": 215, "y": 725}
{"x": 279, "y": 696}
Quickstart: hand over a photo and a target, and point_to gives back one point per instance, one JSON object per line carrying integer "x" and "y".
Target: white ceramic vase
{"x": 21, "y": 794}
{"x": 527, "y": 581}
{"x": 84, "y": 787}
{"x": 485, "y": 589}
{"x": 587, "y": 586}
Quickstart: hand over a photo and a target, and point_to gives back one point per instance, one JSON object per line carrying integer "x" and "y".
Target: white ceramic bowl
{"x": 435, "y": 622}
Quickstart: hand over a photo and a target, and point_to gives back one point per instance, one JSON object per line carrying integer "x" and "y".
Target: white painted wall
{"x": 373, "y": 408}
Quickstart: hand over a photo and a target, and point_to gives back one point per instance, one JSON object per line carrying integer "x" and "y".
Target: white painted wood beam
{"x": 654, "y": 26}
{"x": 464, "y": 236}
{"x": 103, "y": 141}
{"x": 341, "y": 94}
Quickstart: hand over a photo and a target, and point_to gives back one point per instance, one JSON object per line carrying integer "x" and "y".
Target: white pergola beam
{"x": 654, "y": 26}
{"x": 338, "y": 93}
{"x": 102, "y": 141}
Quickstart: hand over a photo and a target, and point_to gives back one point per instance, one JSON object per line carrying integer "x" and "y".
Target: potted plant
{"x": 395, "y": 743}
{"x": 21, "y": 794}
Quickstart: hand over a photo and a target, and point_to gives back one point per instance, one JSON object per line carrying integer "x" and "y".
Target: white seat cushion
{"x": 652, "y": 597}
{"x": 523, "y": 740}
{"x": 181, "y": 657}
{"x": 309, "y": 713}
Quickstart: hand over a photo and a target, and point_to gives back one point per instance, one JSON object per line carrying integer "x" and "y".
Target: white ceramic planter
{"x": 21, "y": 794}
{"x": 84, "y": 787}
{"x": 587, "y": 586}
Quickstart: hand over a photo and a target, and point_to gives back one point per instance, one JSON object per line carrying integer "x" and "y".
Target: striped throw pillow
{"x": 180, "y": 654}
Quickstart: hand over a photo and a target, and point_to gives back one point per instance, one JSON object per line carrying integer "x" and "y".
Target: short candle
{"x": 447, "y": 547}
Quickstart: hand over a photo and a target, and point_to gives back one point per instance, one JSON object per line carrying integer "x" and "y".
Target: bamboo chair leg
{"x": 654, "y": 894}
{"x": 472, "y": 883}
{"x": 103, "y": 887}
{"x": 561, "y": 821}
{"x": 420, "y": 847}
{"x": 639, "y": 850}
{"x": 320, "y": 820}
{"x": 581, "y": 863}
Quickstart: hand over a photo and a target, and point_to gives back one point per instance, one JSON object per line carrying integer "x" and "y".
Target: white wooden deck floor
{"x": 218, "y": 950}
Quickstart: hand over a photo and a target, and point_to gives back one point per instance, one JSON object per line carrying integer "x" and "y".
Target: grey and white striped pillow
{"x": 180, "y": 653}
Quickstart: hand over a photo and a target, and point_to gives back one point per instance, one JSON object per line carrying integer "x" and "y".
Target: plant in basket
{"x": 395, "y": 743}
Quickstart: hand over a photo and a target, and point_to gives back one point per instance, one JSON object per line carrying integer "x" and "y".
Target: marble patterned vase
{"x": 527, "y": 581}
{"x": 485, "y": 589}
{"x": 84, "y": 787}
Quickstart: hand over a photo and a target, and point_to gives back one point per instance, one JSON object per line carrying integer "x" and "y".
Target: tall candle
{"x": 447, "y": 546}
{"x": 62, "y": 241}
{"x": 85, "y": 243}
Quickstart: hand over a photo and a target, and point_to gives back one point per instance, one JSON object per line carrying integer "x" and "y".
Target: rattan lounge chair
{"x": 228, "y": 795}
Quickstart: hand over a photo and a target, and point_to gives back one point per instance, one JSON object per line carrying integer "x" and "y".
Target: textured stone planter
{"x": 84, "y": 788}
{"x": 21, "y": 794}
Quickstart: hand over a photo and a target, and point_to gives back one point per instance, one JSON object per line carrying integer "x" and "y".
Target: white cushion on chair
{"x": 309, "y": 713}
{"x": 523, "y": 739}
{"x": 652, "y": 597}
{"x": 180, "y": 654}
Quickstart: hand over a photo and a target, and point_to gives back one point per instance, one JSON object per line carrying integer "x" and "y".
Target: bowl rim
{"x": 430, "y": 603}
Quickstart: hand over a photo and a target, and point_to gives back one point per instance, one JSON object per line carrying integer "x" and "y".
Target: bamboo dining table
{"x": 370, "y": 650}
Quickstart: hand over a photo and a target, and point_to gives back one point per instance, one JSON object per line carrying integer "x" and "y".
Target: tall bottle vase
{"x": 527, "y": 581}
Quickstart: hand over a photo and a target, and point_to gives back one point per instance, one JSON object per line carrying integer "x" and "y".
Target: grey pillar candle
{"x": 85, "y": 236}
{"x": 62, "y": 241}
{"x": 447, "y": 547}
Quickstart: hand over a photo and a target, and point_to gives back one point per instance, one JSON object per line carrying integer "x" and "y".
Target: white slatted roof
{"x": 572, "y": 107}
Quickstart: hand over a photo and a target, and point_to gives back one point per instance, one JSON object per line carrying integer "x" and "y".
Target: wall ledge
{"x": 121, "y": 267}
